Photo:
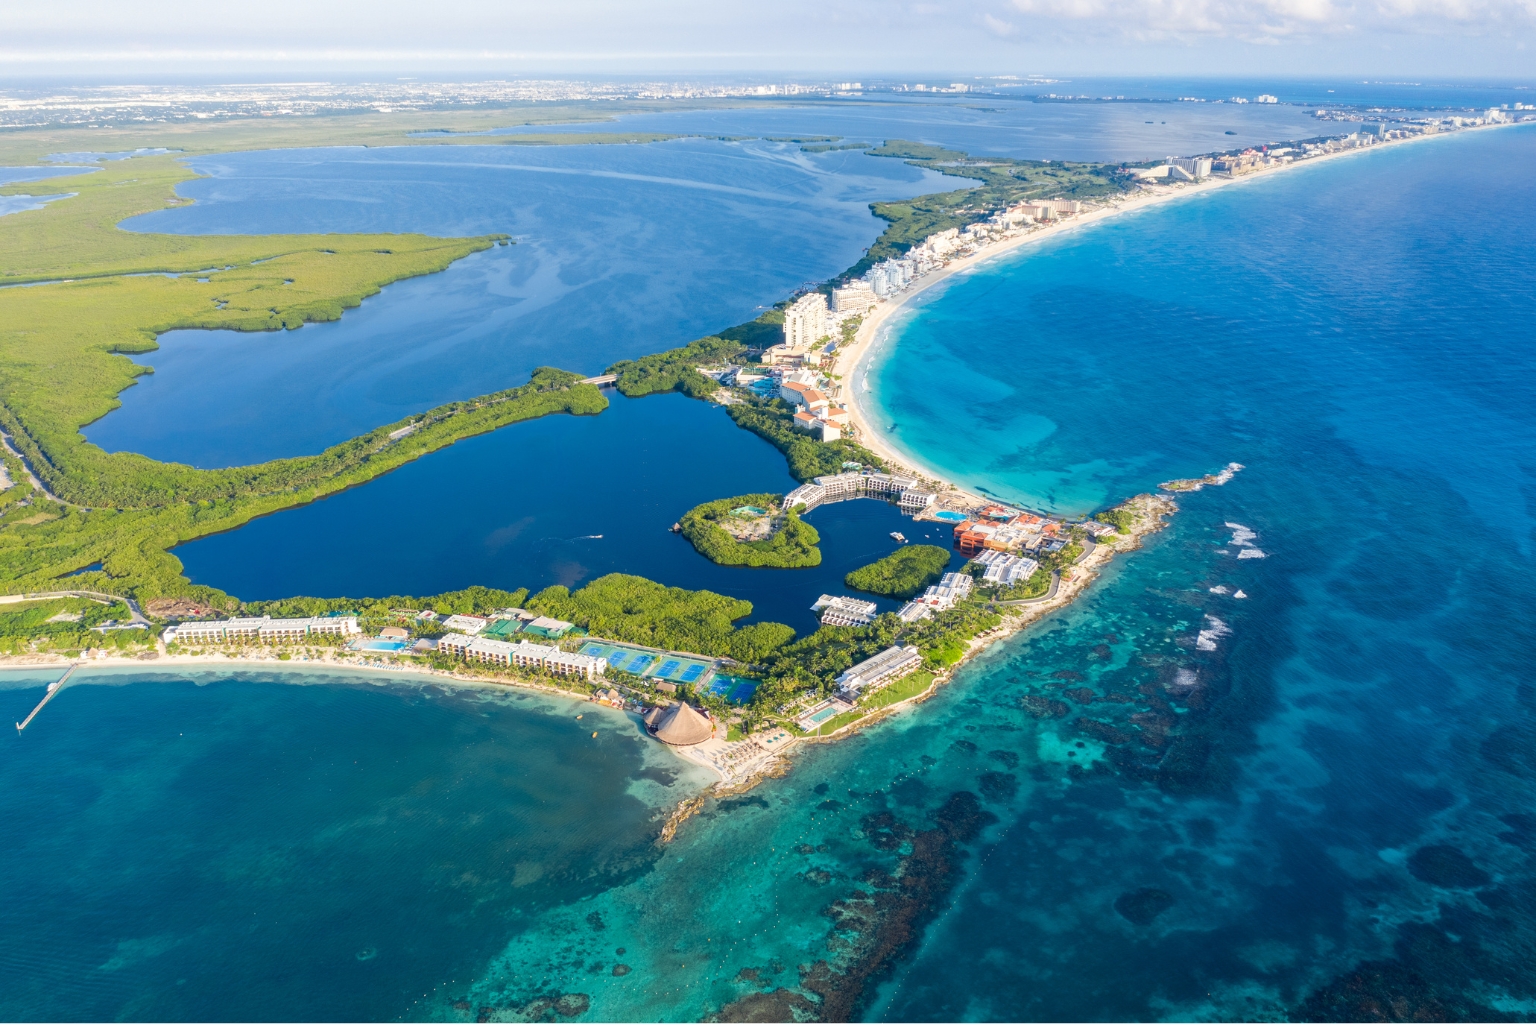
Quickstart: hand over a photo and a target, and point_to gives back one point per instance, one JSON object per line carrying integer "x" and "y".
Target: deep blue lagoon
{"x": 620, "y": 251}
{"x": 559, "y": 500}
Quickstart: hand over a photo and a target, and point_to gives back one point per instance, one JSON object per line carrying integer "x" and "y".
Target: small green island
{"x": 902, "y": 574}
{"x": 751, "y": 530}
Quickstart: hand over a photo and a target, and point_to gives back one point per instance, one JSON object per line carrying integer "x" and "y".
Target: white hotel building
{"x": 263, "y": 629}
{"x": 523, "y": 655}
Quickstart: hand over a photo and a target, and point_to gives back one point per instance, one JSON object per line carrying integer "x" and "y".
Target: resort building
{"x": 805, "y": 322}
{"x": 951, "y": 588}
{"x": 1005, "y": 569}
{"x": 793, "y": 392}
{"x": 547, "y": 627}
{"x": 839, "y": 487}
{"x": 857, "y": 298}
{"x": 890, "y": 665}
{"x": 261, "y": 628}
{"x": 1194, "y": 168}
{"x": 466, "y": 624}
{"x": 810, "y": 423}
{"x": 912, "y": 611}
{"x": 914, "y": 501}
{"x": 837, "y": 610}
{"x": 522, "y": 655}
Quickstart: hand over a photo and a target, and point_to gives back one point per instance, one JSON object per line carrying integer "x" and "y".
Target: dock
{"x": 53, "y": 688}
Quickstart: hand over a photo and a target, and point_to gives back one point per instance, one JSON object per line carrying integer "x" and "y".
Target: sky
{"x": 108, "y": 39}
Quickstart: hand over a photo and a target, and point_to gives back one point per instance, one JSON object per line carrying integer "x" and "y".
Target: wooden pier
{"x": 53, "y": 688}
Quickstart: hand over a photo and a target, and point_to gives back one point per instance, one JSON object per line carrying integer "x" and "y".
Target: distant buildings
{"x": 263, "y": 629}
{"x": 1266, "y": 98}
{"x": 888, "y": 666}
{"x": 837, "y": 610}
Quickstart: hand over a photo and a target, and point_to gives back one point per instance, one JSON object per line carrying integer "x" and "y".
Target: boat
{"x": 899, "y": 536}
{"x": 677, "y": 528}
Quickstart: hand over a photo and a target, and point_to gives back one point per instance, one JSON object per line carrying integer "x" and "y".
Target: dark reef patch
{"x": 1045, "y": 708}
{"x": 1387, "y": 991}
{"x": 874, "y": 927}
{"x": 1513, "y": 749}
{"x": 998, "y": 786}
{"x": 1141, "y": 907}
{"x": 1444, "y": 865}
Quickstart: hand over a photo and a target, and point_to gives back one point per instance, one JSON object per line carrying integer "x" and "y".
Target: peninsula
{"x": 80, "y": 528}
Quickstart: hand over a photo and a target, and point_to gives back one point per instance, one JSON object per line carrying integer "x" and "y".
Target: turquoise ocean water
{"x": 1164, "y": 802}
{"x": 1168, "y": 802}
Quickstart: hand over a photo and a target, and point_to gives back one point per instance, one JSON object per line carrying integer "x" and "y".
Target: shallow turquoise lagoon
{"x": 299, "y": 845}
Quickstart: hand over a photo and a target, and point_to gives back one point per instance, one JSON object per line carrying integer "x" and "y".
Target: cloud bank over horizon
{"x": 1139, "y": 37}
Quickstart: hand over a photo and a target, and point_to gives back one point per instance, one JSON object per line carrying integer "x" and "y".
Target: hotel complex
{"x": 263, "y": 629}
{"x": 871, "y": 674}
{"x": 522, "y": 655}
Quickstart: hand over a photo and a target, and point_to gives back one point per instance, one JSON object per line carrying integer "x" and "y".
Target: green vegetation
{"x": 674, "y": 370}
{"x": 641, "y": 611}
{"x": 399, "y": 128}
{"x": 807, "y": 457}
{"x": 791, "y": 545}
{"x": 63, "y": 625}
{"x": 901, "y": 690}
{"x": 131, "y": 541}
{"x": 902, "y": 574}
{"x": 837, "y": 722}
{"x": 63, "y": 363}
{"x": 1038, "y": 583}
{"x": 1004, "y": 182}
{"x": 1122, "y": 519}
{"x": 814, "y": 663}
{"x": 373, "y": 613}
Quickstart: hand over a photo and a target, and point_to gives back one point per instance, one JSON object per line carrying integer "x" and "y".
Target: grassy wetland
{"x": 98, "y": 293}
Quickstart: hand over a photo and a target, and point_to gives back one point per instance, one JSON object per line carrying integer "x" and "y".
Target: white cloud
{"x": 1271, "y": 20}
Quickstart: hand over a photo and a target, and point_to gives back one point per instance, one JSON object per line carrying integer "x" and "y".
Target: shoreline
{"x": 855, "y": 362}
{"x": 741, "y": 765}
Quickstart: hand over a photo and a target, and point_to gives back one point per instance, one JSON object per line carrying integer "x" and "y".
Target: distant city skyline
{"x": 157, "y": 39}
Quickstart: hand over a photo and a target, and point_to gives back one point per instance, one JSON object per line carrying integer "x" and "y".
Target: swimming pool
{"x": 380, "y": 645}
{"x": 950, "y": 517}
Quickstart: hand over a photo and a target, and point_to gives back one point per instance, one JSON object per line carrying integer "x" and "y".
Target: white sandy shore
{"x": 855, "y": 362}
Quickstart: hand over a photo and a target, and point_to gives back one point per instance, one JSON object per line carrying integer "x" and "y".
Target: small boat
{"x": 899, "y": 536}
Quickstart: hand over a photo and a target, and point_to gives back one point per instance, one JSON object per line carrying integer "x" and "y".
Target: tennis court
{"x": 735, "y": 689}
{"x": 676, "y": 669}
{"x": 629, "y": 660}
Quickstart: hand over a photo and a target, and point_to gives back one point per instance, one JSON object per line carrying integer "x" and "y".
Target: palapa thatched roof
{"x": 680, "y": 726}
{"x": 653, "y": 715}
